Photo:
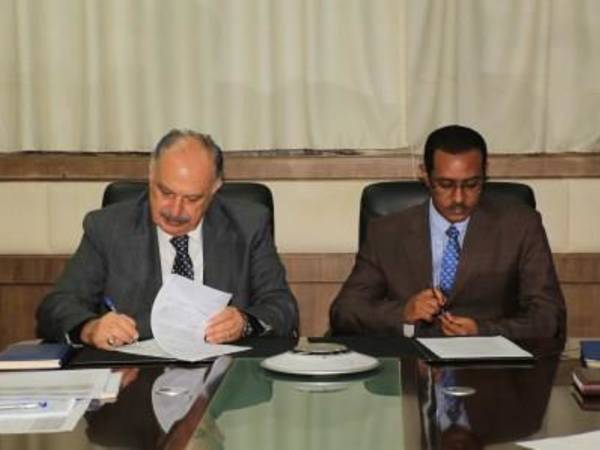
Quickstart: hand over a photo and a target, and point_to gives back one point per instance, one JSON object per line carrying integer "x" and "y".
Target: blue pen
{"x": 25, "y": 405}
{"x": 109, "y": 304}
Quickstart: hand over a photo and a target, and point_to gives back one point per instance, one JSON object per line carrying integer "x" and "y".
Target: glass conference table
{"x": 402, "y": 405}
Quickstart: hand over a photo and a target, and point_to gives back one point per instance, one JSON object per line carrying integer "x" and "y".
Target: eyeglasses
{"x": 469, "y": 185}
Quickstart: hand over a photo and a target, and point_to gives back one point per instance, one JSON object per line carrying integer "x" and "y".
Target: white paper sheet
{"x": 112, "y": 388}
{"x": 52, "y": 384}
{"x": 60, "y": 415}
{"x": 67, "y": 394}
{"x": 174, "y": 392}
{"x": 179, "y": 316}
{"x": 149, "y": 347}
{"x": 583, "y": 441}
{"x": 54, "y": 407}
{"x": 474, "y": 347}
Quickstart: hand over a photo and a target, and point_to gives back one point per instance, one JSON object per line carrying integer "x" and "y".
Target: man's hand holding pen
{"x": 110, "y": 330}
{"x": 425, "y": 305}
{"x": 457, "y": 326}
{"x": 431, "y": 304}
{"x": 454, "y": 325}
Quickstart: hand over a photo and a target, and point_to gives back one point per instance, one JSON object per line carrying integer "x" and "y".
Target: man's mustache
{"x": 458, "y": 207}
{"x": 179, "y": 220}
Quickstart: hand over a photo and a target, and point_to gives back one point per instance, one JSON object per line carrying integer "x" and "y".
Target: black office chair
{"x": 117, "y": 191}
{"x": 381, "y": 199}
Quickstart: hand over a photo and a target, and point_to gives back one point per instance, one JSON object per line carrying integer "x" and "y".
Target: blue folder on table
{"x": 26, "y": 356}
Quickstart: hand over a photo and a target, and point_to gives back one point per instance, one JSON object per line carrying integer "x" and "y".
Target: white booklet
{"x": 474, "y": 348}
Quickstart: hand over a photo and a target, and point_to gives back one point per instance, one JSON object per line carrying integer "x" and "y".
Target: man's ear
{"x": 151, "y": 171}
{"x": 423, "y": 177}
{"x": 217, "y": 185}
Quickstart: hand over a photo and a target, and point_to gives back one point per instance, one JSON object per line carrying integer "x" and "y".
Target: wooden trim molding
{"x": 307, "y": 165}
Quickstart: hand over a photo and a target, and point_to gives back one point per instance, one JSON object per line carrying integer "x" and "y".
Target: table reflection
{"x": 157, "y": 407}
{"x": 507, "y": 403}
{"x": 256, "y": 409}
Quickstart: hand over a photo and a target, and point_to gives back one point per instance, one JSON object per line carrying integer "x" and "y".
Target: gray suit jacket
{"x": 118, "y": 257}
{"x": 505, "y": 280}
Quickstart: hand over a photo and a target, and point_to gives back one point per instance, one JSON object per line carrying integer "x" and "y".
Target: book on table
{"x": 587, "y": 381}
{"x": 590, "y": 353}
{"x": 587, "y": 402}
{"x": 24, "y": 356}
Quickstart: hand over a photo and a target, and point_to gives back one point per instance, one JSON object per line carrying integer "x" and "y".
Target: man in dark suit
{"x": 181, "y": 225}
{"x": 459, "y": 264}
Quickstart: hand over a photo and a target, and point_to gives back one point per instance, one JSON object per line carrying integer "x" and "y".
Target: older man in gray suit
{"x": 180, "y": 225}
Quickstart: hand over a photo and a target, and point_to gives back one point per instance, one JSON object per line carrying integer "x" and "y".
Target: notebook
{"x": 590, "y": 353}
{"x": 26, "y": 356}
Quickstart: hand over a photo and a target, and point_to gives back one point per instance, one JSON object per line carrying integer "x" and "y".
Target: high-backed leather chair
{"x": 118, "y": 191}
{"x": 381, "y": 199}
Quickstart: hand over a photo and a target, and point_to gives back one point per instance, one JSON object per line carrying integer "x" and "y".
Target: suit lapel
{"x": 476, "y": 241}
{"x": 220, "y": 244}
{"x": 417, "y": 246}
{"x": 144, "y": 245}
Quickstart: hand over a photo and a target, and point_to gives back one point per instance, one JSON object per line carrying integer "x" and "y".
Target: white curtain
{"x": 112, "y": 75}
{"x": 256, "y": 74}
{"x": 524, "y": 73}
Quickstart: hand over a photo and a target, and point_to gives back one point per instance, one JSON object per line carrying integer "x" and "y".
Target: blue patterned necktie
{"x": 182, "y": 265}
{"x": 452, "y": 403}
{"x": 450, "y": 261}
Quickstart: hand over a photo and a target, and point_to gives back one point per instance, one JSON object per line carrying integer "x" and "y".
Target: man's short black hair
{"x": 205, "y": 140}
{"x": 454, "y": 139}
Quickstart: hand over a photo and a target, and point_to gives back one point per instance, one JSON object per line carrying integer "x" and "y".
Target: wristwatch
{"x": 248, "y": 328}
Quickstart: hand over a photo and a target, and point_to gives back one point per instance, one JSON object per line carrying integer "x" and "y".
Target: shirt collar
{"x": 195, "y": 234}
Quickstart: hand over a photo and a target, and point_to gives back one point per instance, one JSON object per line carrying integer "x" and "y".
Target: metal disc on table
{"x": 458, "y": 391}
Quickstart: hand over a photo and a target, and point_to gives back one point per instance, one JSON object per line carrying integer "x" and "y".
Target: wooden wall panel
{"x": 313, "y": 302}
{"x": 583, "y": 309}
{"x": 18, "y": 304}
{"x": 315, "y": 279}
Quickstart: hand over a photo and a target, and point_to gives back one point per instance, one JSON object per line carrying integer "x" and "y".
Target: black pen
{"x": 443, "y": 309}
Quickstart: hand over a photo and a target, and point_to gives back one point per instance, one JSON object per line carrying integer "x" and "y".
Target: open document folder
{"x": 178, "y": 321}
{"x": 473, "y": 348}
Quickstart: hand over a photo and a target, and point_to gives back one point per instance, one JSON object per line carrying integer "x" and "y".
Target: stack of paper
{"x": 51, "y": 401}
